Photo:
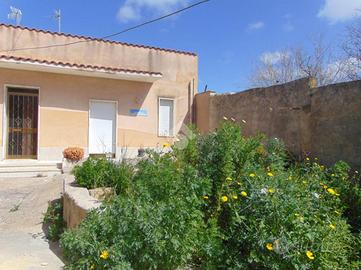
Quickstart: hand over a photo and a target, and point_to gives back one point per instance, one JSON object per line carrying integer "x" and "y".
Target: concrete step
{"x": 29, "y": 168}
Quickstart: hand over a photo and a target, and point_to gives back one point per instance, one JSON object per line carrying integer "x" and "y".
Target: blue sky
{"x": 228, "y": 35}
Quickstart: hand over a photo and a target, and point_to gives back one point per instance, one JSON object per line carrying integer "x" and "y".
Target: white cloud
{"x": 273, "y": 57}
{"x": 133, "y": 10}
{"x": 340, "y": 10}
{"x": 256, "y": 25}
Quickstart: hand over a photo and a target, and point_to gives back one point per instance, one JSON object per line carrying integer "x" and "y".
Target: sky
{"x": 229, "y": 36}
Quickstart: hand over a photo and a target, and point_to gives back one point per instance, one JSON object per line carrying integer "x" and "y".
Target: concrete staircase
{"x": 29, "y": 168}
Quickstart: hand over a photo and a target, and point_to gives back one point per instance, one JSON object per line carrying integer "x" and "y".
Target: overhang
{"x": 20, "y": 63}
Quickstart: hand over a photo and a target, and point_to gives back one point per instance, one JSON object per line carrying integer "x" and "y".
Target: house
{"x": 60, "y": 90}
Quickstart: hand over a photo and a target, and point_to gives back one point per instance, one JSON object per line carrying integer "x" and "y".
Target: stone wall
{"x": 323, "y": 122}
{"x": 77, "y": 202}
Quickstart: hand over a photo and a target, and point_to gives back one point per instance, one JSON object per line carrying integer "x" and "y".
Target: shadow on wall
{"x": 322, "y": 122}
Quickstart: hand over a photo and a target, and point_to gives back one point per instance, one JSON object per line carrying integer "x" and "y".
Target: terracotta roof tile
{"x": 80, "y": 66}
{"x": 97, "y": 39}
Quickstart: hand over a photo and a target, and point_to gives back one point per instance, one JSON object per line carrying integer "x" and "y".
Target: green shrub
{"x": 94, "y": 173}
{"x": 159, "y": 225}
{"x": 224, "y": 202}
{"x": 53, "y": 219}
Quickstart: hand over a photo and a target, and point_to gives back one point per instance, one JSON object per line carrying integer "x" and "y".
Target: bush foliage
{"x": 222, "y": 202}
{"x": 53, "y": 220}
{"x": 99, "y": 172}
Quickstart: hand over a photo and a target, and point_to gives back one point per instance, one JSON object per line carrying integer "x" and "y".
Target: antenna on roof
{"x": 57, "y": 17}
{"x": 15, "y": 14}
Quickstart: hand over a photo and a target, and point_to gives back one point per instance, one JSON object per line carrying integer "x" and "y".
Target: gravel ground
{"x": 22, "y": 241}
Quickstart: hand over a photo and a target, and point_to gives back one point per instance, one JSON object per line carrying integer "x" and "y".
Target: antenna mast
{"x": 57, "y": 17}
{"x": 15, "y": 14}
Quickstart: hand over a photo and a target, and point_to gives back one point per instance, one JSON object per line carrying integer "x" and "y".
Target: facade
{"x": 103, "y": 96}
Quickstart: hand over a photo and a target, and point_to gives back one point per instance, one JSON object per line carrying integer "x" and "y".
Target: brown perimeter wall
{"x": 322, "y": 122}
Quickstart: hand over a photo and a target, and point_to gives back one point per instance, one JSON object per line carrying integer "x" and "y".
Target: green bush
{"x": 224, "y": 202}
{"x": 159, "y": 225}
{"x": 99, "y": 172}
{"x": 53, "y": 219}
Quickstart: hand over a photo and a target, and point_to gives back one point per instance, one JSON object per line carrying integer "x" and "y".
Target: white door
{"x": 102, "y": 127}
{"x": 165, "y": 121}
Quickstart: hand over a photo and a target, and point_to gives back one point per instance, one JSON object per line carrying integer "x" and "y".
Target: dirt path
{"x": 23, "y": 245}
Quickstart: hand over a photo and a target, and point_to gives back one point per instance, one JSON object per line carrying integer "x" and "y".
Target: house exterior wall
{"x": 64, "y": 99}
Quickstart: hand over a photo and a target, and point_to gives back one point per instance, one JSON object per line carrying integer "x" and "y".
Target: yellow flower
{"x": 224, "y": 199}
{"x": 269, "y": 246}
{"x": 229, "y": 178}
{"x": 322, "y": 167}
{"x": 235, "y": 197}
{"x": 166, "y": 145}
{"x": 310, "y": 255}
{"x": 244, "y": 194}
{"x": 252, "y": 175}
{"x": 239, "y": 183}
{"x": 333, "y": 227}
{"x": 205, "y": 197}
{"x": 333, "y": 174}
{"x": 307, "y": 158}
{"x": 316, "y": 158}
{"x": 271, "y": 190}
{"x": 104, "y": 255}
{"x": 270, "y": 174}
{"x": 331, "y": 191}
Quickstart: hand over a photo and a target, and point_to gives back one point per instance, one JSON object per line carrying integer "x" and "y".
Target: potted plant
{"x": 71, "y": 157}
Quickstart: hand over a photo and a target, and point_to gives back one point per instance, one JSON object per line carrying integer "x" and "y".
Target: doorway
{"x": 22, "y": 123}
{"x": 102, "y": 128}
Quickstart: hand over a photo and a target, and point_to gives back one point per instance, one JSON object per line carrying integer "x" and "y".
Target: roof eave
{"x": 80, "y": 71}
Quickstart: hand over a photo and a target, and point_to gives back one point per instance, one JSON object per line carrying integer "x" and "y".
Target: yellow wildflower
{"x": 331, "y": 191}
{"x": 271, "y": 190}
{"x": 235, "y": 197}
{"x": 307, "y": 158}
{"x": 229, "y": 178}
{"x": 269, "y": 246}
{"x": 310, "y": 255}
{"x": 244, "y": 194}
{"x": 224, "y": 199}
{"x": 316, "y": 158}
{"x": 333, "y": 227}
{"x": 332, "y": 174}
{"x": 239, "y": 183}
{"x": 270, "y": 174}
{"x": 104, "y": 255}
{"x": 166, "y": 145}
{"x": 252, "y": 175}
{"x": 322, "y": 167}
{"x": 205, "y": 197}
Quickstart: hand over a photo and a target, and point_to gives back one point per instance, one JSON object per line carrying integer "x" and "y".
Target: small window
{"x": 165, "y": 120}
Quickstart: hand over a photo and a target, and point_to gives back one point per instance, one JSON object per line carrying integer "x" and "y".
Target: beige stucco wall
{"x": 64, "y": 99}
{"x": 64, "y": 108}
